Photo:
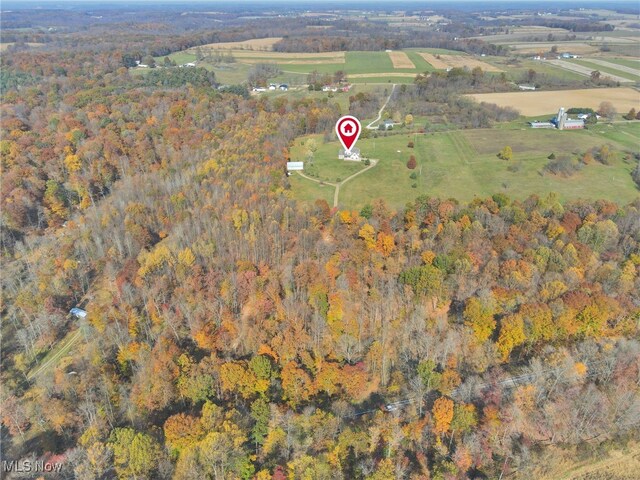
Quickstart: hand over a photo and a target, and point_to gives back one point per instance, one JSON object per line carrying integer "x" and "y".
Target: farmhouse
{"x": 386, "y": 125}
{"x": 353, "y": 154}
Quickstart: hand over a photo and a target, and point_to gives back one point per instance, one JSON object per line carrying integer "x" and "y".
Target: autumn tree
{"x": 442, "y": 415}
{"x": 506, "y": 154}
{"x": 135, "y": 454}
{"x": 480, "y": 318}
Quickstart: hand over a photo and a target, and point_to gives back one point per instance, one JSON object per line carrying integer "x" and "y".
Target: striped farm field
{"x": 444, "y": 61}
{"x": 435, "y": 62}
{"x": 461, "y": 61}
{"x": 541, "y": 103}
{"x": 401, "y": 60}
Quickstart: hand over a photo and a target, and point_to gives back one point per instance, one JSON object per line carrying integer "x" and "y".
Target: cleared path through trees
{"x": 370, "y": 127}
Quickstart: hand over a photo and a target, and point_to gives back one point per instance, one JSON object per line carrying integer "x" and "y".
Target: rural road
{"x": 336, "y": 193}
{"x": 369, "y": 127}
{"x": 586, "y": 71}
{"x": 315, "y": 179}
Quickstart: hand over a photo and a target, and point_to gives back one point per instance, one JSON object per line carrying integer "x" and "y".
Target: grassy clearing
{"x": 308, "y": 191}
{"x": 52, "y": 358}
{"x": 463, "y": 165}
{"x": 326, "y": 165}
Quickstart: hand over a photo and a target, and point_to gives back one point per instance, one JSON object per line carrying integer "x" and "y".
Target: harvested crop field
{"x": 260, "y": 44}
{"x": 401, "y": 60}
{"x": 461, "y": 61}
{"x": 443, "y": 61}
{"x": 541, "y": 103}
{"x": 433, "y": 60}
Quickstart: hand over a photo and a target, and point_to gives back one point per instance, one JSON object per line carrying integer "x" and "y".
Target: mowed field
{"x": 618, "y": 71}
{"x": 463, "y": 164}
{"x": 542, "y": 102}
{"x": 586, "y": 70}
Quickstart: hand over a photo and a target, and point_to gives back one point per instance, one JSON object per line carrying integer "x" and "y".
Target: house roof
{"x": 354, "y": 151}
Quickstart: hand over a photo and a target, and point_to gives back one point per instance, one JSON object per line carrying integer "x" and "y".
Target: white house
{"x": 353, "y": 155}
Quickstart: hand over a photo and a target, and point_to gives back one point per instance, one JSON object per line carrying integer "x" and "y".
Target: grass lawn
{"x": 326, "y": 165}
{"x": 309, "y": 191}
{"x": 463, "y": 165}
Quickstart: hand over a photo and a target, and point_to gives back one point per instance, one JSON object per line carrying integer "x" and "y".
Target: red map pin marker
{"x": 348, "y": 130}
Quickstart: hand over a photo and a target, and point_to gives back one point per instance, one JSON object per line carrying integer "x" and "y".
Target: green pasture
{"x": 515, "y": 71}
{"x": 603, "y": 69}
{"x": 463, "y": 165}
{"x": 627, "y": 62}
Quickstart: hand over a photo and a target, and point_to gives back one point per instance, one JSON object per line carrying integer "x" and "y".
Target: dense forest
{"x": 235, "y": 333}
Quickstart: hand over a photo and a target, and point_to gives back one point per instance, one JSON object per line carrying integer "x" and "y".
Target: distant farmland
{"x": 541, "y": 103}
{"x": 399, "y": 66}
